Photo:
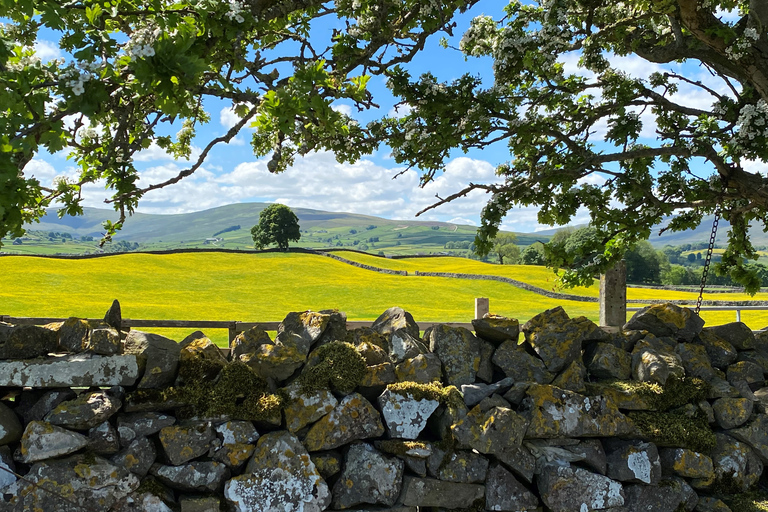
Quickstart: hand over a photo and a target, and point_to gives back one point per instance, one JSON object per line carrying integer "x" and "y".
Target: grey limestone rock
{"x": 42, "y": 441}
{"x": 424, "y": 368}
{"x": 73, "y": 335}
{"x": 461, "y": 466}
{"x": 556, "y": 338}
{"x": 475, "y": 393}
{"x": 633, "y": 461}
{"x": 720, "y": 352}
{"x": 521, "y": 366}
{"x": 504, "y": 492}
{"x": 354, "y": 418}
{"x": 137, "y": 457}
{"x": 736, "y": 461}
{"x": 661, "y": 498}
{"x": 84, "y": 479}
{"x": 29, "y": 342}
{"x": 114, "y": 316}
{"x": 606, "y": 361}
{"x": 737, "y": 334}
{"x": 157, "y": 355}
{"x": 103, "y": 439}
{"x": 405, "y": 416}
{"x": 141, "y": 502}
{"x": 279, "y": 477}
{"x": 667, "y": 320}
{"x": 10, "y": 426}
{"x": 368, "y": 477}
{"x": 459, "y": 352}
{"x": 85, "y": 411}
{"x": 304, "y": 408}
{"x": 686, "y": 463}
{"x": 195, "y": 476}
{"x": 492, "y": 431}
{"x": 301, "y": 330}
{"x": 104, "y": 341}
{"x": 754, "y": 434}
{"x": 393, "y": 319}
{"x": 496, "y": 329}
{"x": 184, "y": 443}
{"x": 732, "y": 412}
{"x": 746, "y": 371}
{"x": 403, "y": 345}
{"x": 132, "y": 426}
{"x": 563, "y": 488}
{"x": 428, "y": 492}
{"x": 695, "y": 360}
{"x": 78, "y": 370}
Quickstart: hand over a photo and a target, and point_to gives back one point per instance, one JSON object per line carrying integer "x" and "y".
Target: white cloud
{"x": 155, "y": 153}
{"x": 228, "y": 118}
{"x": 41, "y": 170}
{"x": 465, "y": 222}
{"x": 344, "y": 109}
{"x": 399, "y": 111}
{"x": 47, "y": 50}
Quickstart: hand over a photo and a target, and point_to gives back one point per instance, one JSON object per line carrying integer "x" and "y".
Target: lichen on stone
{"x": 669, "y": 429}
{"x": 755, "y": 501}
{"x": 335, "y": 365}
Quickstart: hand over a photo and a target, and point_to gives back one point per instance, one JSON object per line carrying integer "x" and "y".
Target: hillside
{"x": 320, "y": 229}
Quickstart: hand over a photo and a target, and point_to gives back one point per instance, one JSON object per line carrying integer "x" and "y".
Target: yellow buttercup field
{"x": 266, "y": 286}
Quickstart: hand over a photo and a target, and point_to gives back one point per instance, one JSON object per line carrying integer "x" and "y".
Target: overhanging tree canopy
{"x": 576, "y": 138}
{"x": 138, "y": 73}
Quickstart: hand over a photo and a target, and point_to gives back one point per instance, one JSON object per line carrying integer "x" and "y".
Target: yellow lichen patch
{"x": 670, "y": 316}
{"x": 449, "y": 396}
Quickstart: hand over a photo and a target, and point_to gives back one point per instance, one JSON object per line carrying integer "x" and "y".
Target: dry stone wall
{"x": 557, "y": 414}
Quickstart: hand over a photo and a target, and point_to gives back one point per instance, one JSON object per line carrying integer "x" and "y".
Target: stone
{"x": 496, "y": 329}
{"x": 42, "y": 441}
{"x": 103, "y": 439}
{"x": 301, "y": 330}
{"x": 746, "y": 371}
{"x": 368, "y": 477}
{"x": 114, "y": 316}
{"x": 759, "y": 357}
{"x": 274, "y": 361}
{"x": 29, "y": 342}
{"x": 327, "y": 463}
{"x": 648, "y": 365}
{"x": 137, "y": 457}
{"x": 10, "y": 426}
{"x": 686, "y": 463}
{"x": 428, "y": 492}
{"x": 662, "y": 498}
{"x": 475, "y": 393}
{"x": 73, "y": 335}
{"x": 732, "y": 412}
{"x": 459, "y": 352}
{"x": 85, "y": 411}
{"x": 667, "y": 320}
{"x": 393, "y": 319}
{"x": 490, "y": 432}
{"x": 304, "y": 408}
{"x": 132, "y": 426}
{"x": 573, "y": 378}
{"x": 195, "y": 476}
{"x": 606, "y": 361}
{"x": 336, "y": 329}
{"x": 622, "y": 398}
{"x": 184, "y": 443}
{"x": 279, "y": 477}
{"x": 78, "y": 370}
{"x": 720, "y": 388}
{"x": 755, "y": 434}
{"x": 563, "y": 488}
{"x": 695, "y": 360}
{"x": 462, "y": 466}
{"x": 157, "y": 355}
{"x": 633, "y": 461}
{"x": 557, "y": 339}
{"x": 104, "y": 341}
{"x": 354, "y": 418}
{"x": 379, "y": 375}
{"x": 87, "y": 481}
{"x": 402, "y": 346}
{"x": 736, "y": 462}
{"x": 141, "y": 502}
{"x": 720, "y": 352}
{"x": 7, "y": 469}
{"x": 404, "y": 415}
{"x": 45, "y": 404}
{"x": 373, "y": 354}
{"x": 554, "y": 412}
{"x": 237, "y": 432}
{"x": 233, "y": 455}
{"x": 504, "y": 492}
{"x": 521, "y": 366}
{"x": 248, "y": 341}
{"x": 516, "y": 393}
{"x": 423, "y": 369}
{"x": 485, "y": 369}
{"x": 737, "y": 334}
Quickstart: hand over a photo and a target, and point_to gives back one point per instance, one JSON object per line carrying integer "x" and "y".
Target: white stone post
{"x": 613, "y": 296}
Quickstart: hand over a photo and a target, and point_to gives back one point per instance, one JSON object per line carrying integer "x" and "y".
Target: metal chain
{"x": 708, "y": 259}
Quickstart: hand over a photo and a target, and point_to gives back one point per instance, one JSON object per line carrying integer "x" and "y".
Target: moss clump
{"x": 449, "y": 396}
{"x": 675, "y": 393}
{"x": 668, "y": 429}
{"x": 754, "y": 501}
{"x": 152, "y": 486}
{"x": 339, "y": 366}
{"x": 197, "y": 367}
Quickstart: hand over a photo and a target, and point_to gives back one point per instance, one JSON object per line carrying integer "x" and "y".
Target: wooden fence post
{"x": 481, "y": 307}
{"x": 613, "y": 296}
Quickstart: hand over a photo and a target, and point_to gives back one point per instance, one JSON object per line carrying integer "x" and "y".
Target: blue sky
{"x": 232, "y": 174}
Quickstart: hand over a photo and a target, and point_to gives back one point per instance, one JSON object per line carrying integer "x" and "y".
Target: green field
{"x": 265, "y": 287}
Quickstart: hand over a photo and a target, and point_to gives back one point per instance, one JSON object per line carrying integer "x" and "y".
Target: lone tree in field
{"x": 505, "y": 246}
{"x": 685, "y": 134}
{"x": 277, "y": 225}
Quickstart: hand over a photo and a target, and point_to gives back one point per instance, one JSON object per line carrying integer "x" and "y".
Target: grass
{"x": 266, "y": 287}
